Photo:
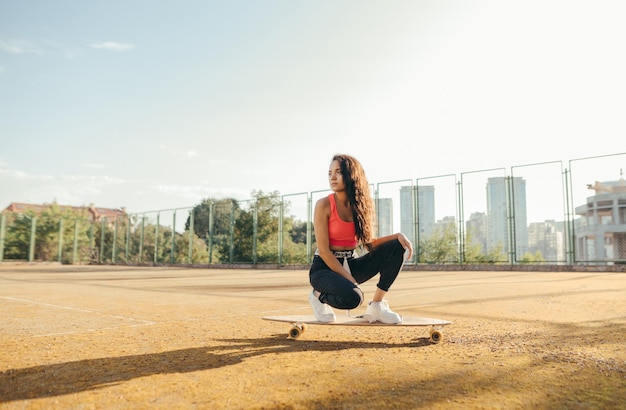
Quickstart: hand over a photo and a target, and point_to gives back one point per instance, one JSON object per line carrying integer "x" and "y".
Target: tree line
{"x": 216, "y": 231}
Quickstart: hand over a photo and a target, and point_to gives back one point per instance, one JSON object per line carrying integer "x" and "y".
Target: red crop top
{"x": 340, "y": 233}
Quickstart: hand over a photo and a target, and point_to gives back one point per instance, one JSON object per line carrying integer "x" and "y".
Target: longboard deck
{"x": 357, "y": 321}
{"x": 299, "y": 323}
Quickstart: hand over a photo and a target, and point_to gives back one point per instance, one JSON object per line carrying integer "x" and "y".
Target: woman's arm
{"x": 320, "y": 223}
{"x": 404, "y": 241}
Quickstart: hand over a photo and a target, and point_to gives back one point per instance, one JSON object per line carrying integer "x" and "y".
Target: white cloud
{"x": 92, "y": 165}
{"x": 113, "y": 46}
{"x": 183, "y": 153}
{"x": 106, "y": 191}
{"x": 20, "y": 186}
{"x": 19, "y": 47}
{"x": 15, "y": 173}
{"x": 1, "y": 69}
{"x": 92, "y": 180}
{"x": 42, "y": 47}
{"x": 198, "y": 192}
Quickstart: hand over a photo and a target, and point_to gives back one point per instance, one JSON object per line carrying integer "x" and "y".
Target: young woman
{"x": 342, "y": 220}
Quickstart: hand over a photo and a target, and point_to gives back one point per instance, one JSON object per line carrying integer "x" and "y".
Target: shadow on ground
{"x": 83, "y": 375}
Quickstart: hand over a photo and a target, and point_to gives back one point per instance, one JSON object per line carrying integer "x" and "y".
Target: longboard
{"x": 299, "y": 323}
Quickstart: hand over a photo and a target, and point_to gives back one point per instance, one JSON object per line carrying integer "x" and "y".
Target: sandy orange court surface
{"x": 118, "y": 337}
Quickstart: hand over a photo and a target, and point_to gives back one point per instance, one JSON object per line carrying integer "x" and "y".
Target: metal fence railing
{"x": 543, "y": 213}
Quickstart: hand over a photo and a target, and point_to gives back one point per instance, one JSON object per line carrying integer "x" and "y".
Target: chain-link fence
{"x": 543, "y": 213}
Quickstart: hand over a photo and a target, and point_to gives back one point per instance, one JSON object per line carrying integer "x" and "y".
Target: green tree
{"x": 52, "y": 225}
{"x": 266, "y": 210}
{"x": 149, "y": 243}
{"x": 17, "y": 240}
{"x": 298, "y": 231}
{"x": 199, "y": 253}
{"x": 440, "y": 246}
{"x": 218, "y": 236}
{"x": 536, "y": 257}
{"x": 474, "y": 251}
{"x": 114, "y": 231}
{"x": 294, "y": 241}
{"x": 239, "y": 226}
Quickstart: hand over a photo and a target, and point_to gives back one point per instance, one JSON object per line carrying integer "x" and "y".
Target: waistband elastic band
{"x": 340, "y": 254}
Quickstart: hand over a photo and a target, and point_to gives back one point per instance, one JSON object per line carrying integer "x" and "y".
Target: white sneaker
{"x": 322, "y": 311}
{"x": 379, "y": 311}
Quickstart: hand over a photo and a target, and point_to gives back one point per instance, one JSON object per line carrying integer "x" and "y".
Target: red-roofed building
{"x": 95, "y": 213}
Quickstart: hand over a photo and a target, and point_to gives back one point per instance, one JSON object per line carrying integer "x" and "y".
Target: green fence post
{"x": 33, "y": 231}
{"x": 282, "y": 217}
{"x": 75, "y": 249}
{"x": 211, "y": 222}
{"x": 232, "y": 234}
{"x": 191, "y": 227}
{"x": 281, "y": 222}
{"x": 570, "y": 240}
{"x": 309, "y": 226}
{"x": 3, "y": 225}
{"x": 173, "y": 237}
{"x": 461, "y": 213}
{"x": 127, "y": 241}
{"x": 90, "y": 234}
{"x": 143, "y": 224}
{"x": 255, "y": 231}
{"x": 156, "y": 237}
{"x": 510, "y": 212}
{"x": 102, "y": 228}
{"x": 114, "y": 241}
{"x": 60, "y": 257}
{"x": 415, "y": 209}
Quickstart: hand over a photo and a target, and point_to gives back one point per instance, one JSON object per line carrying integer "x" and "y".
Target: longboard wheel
{"x": 436, "y": 336}
{"x": 297, "y": 330}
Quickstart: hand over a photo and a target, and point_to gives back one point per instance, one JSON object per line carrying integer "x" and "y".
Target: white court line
{"x": 93, "y": 312}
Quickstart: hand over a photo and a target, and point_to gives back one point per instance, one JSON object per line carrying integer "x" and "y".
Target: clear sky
{"x": 154, "y": 104}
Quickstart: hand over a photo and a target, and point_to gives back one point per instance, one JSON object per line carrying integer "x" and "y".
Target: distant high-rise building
{"x": 407, "y": 219}
{"x": 425, "y": 211}
{"x": 476, "y": 231}
{"x": 385, "y": 216}
{"x": 547, "y": 238}
{"x": 498, "y": 218}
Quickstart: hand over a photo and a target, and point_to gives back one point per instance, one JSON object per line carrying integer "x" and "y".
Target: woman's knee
{"x": 397, "y": 246}
{"x": 392, "y": 247}
{"x": 352, "y": 299}
{"x": 394, "y": 251}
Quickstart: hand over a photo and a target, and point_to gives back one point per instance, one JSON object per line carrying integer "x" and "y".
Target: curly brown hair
{"x": 358, "y": 192}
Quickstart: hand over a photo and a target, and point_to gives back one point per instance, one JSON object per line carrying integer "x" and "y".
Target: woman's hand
{"x": 406, "y": 244}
